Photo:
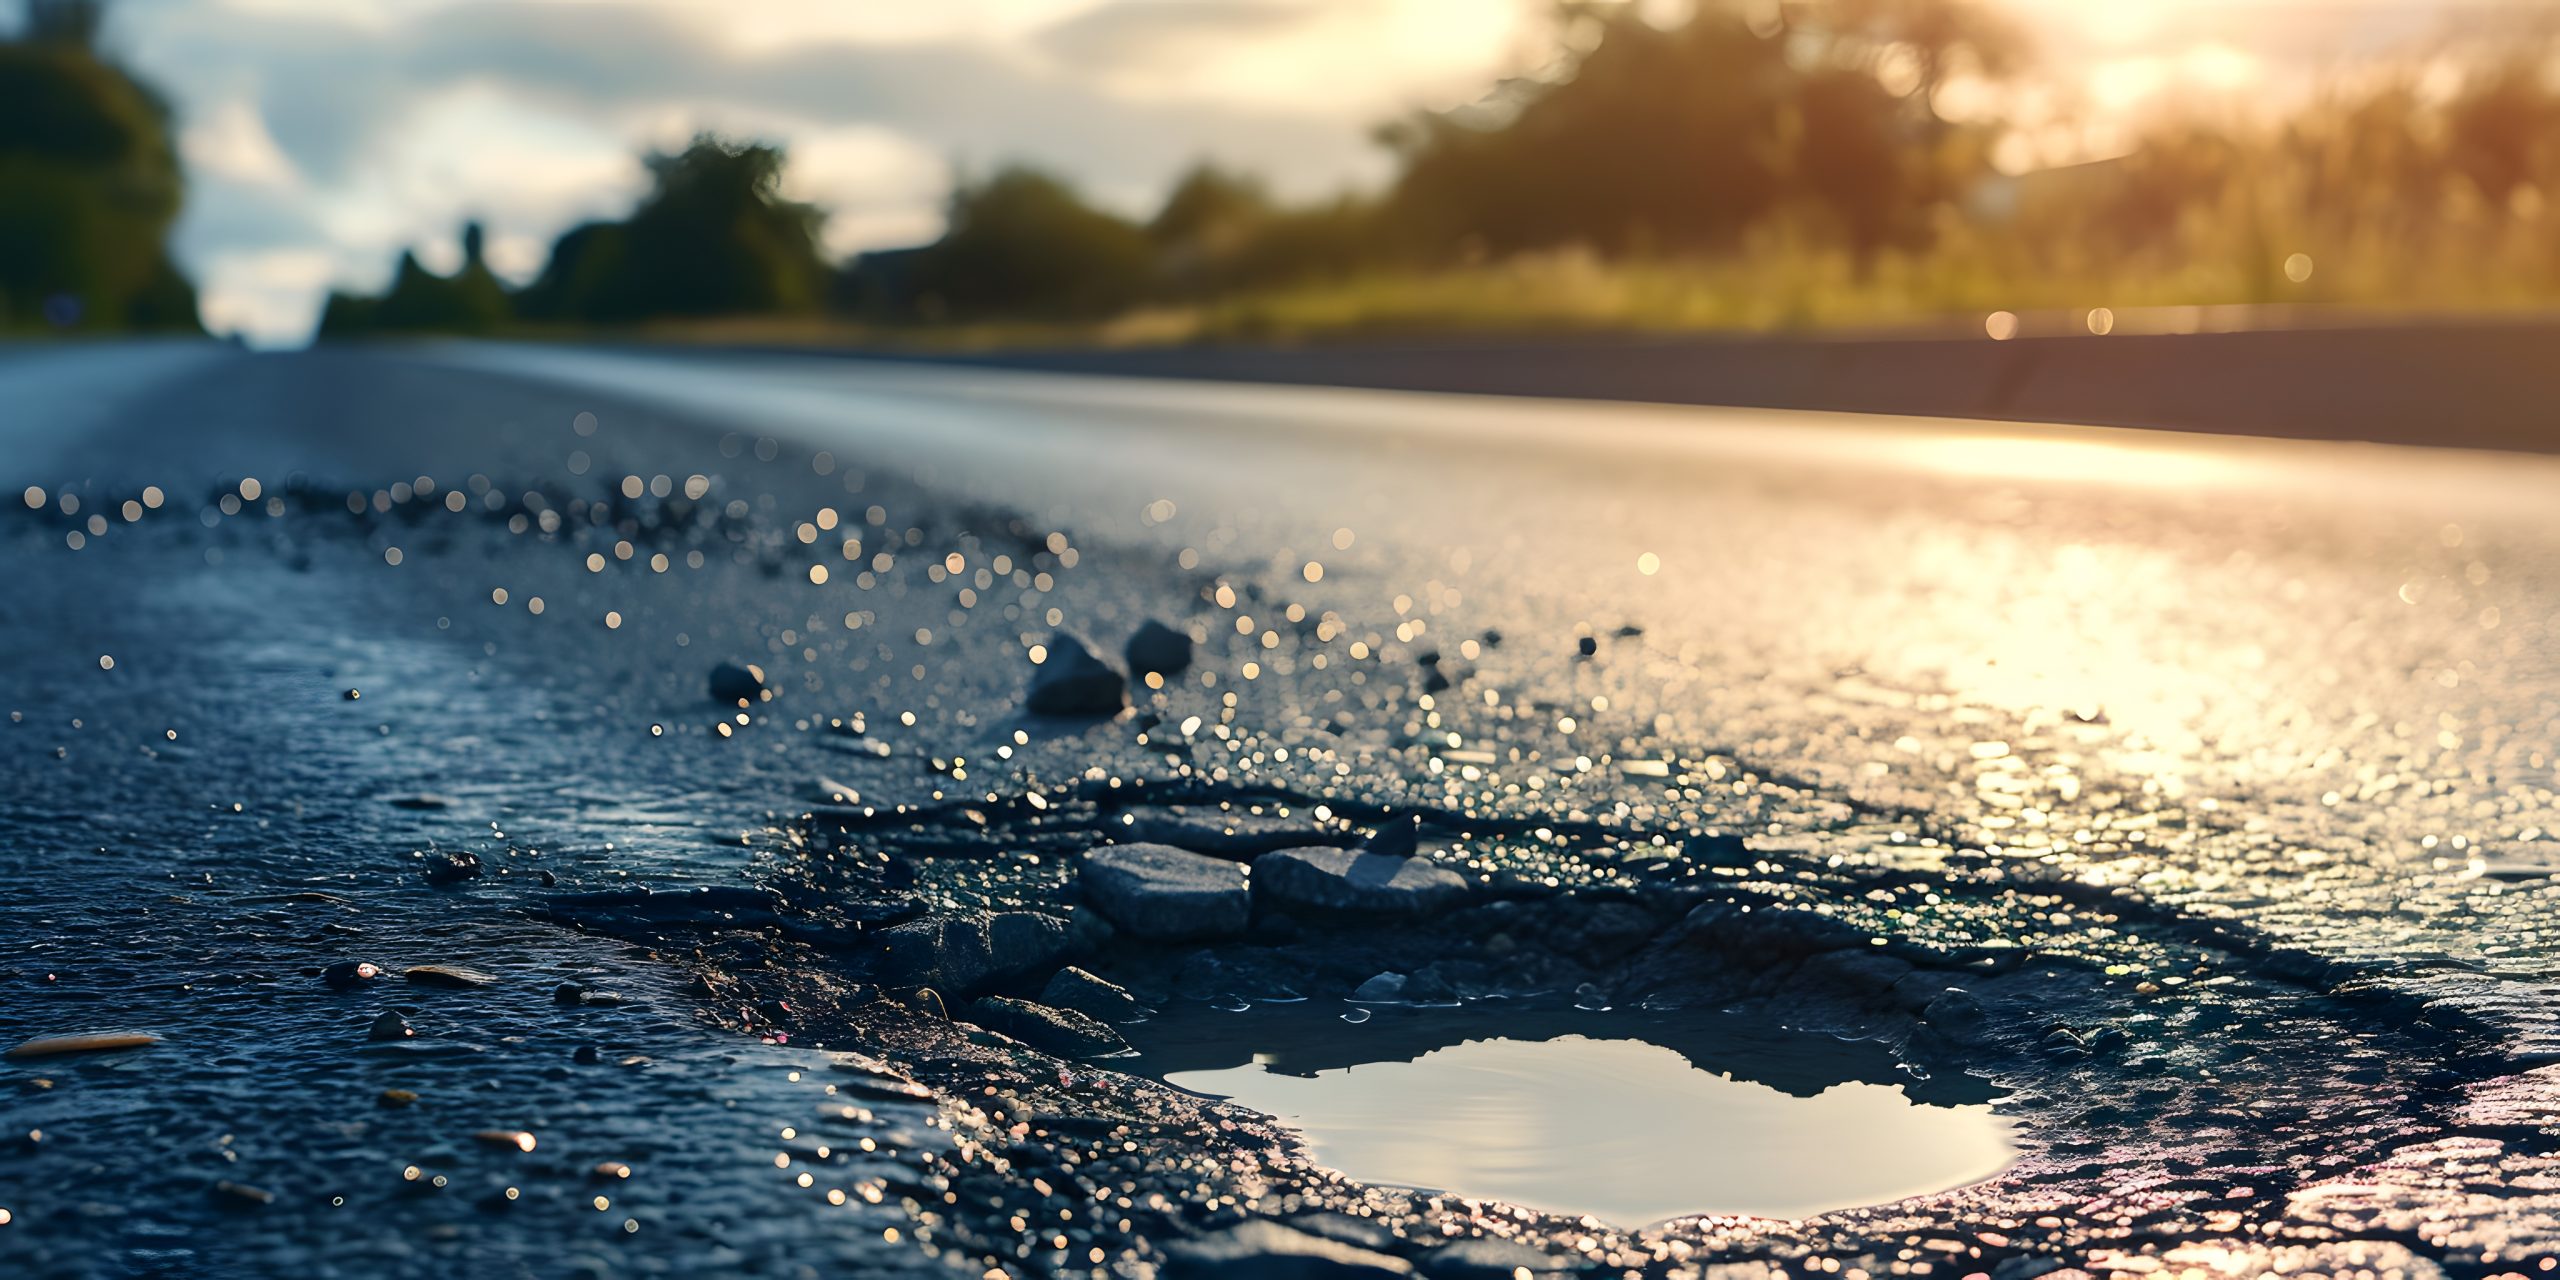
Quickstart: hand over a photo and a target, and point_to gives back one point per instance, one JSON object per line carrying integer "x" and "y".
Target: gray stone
{"x": 967, "y": 952}
{"x": 1158, "y": 649}
{"x": 1158, "y": 891}
{"x": 1385, "y": 988}
{"x": 1073, "y": 682}
{"x": 1396, "y": 837}
{"x": 1064, "y": 1032}
{"x": 1957, "y": 1015}
{"x": 737, "y": 684}
{"x": 1351, "y": 880}
{"x": 1094, "y": 997}
{"x": 1261, "y": 1249}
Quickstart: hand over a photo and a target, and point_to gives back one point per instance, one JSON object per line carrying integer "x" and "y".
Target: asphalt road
{"x": 2290, "y": 711}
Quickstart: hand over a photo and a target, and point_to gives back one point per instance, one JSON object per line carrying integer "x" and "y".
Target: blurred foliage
{"x": 89, "y": 185}
{"x": 713, "y": 237}
{"x": 1753, "y": 163}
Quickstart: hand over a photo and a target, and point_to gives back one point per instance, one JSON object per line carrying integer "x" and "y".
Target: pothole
{"x": 1626, "y": 1118}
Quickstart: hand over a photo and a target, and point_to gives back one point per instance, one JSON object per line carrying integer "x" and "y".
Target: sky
{"x": 322, "y": 137}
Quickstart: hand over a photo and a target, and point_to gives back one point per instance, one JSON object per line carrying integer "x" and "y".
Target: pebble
{"x": 396, "y": 1097}
{"x": 1385, "y": 988}
{"x": 1157, "y": 649}
{"x": 452, "y": 867}
{"x": 1073, "y": 682}
{"x": 1092, "y": 996}
{"x": 735, "y": 684}
{"x": 86, "y": 1042}
{"x": 424, "y": 800}
{"x": 1396, "y": 837}
{"x": 515, "y": 1138}
{"x": 242, "y": 1195}
{"x": 1064, "y": 1032}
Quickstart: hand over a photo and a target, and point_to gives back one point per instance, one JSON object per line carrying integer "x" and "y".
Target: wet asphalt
{"x": 2222, "y": 771}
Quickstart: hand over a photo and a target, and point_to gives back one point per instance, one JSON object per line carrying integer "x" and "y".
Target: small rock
{"x": 396, "y": 1097}
{"x": 1073, "y": 682}
{"x": 423, "y": 800}
{"x": 1064, "y": 1032}
{"x": 587, "y": 1055}
{"x": 1717, "y": 849}
{"x": 1396, "y": 837}
{"x": 1385, "y": 988}
{"x": 1158, "y": 891}
{"x": 1957, "y": 1015}
{"x": 736, "y": 684}
{"x": 1587, "y": 646}
{"x": 448, "y": 975}
{"x": 452, "y": 867}
{"x": 347, "y": 975}
{"x": 967, "y": 952}
{"x": 1094, "y": 997}
{"x": 600, "y": 999}
{"x": 1260, "y": 1249}
{"x": 88, "y": 1042}
{"x": 515, "y": 1138}
{"x": 1322, "y": 879}
{"x": 390, "y": 1026}
{"x": 1158, "y": 650}
{"x": 568, "y": 993}
{"x": 240, "y": 1195}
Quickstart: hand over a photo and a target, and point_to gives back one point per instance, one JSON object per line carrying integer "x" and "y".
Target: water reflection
{"x": 1626, "y": 1130}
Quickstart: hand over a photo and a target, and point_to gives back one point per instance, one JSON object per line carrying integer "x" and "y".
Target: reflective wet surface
{"x": 1749, "y": 1120}
{"x": 2192, "y": 795}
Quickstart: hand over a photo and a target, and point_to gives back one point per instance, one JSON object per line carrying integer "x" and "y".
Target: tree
{"x": 1682, "y": 138}
{"x": 713, "y": 237}
{"x": 1026, "y": 243}
{"x": 419, "y": 301}
{"x": 89, "y": 184}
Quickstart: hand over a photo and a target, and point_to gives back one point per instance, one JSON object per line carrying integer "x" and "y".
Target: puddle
{"x": 1630, "y": 1118}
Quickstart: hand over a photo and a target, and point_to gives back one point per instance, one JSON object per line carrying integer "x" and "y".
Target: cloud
{"x": 355, "y": 130}
{"x": 1150, "y": 34}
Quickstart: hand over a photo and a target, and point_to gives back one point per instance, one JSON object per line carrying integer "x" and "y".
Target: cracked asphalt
{"x": 2195, "y": 795}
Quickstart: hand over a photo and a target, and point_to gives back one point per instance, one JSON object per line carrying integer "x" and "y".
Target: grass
{"x": 2235, "y": 254}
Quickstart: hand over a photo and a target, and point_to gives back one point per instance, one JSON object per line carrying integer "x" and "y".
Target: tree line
{"x": 1739, "y": 132}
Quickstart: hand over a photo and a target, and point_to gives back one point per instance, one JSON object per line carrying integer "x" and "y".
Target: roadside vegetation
{"x": 1751, "y": 167}
{"x": 89, "y": 185}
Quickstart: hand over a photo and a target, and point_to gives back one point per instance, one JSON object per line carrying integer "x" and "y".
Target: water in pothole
{"x": 1631, "y": 1118}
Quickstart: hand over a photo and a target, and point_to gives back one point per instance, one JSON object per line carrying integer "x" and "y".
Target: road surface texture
{"x": 2191, "y": 794}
